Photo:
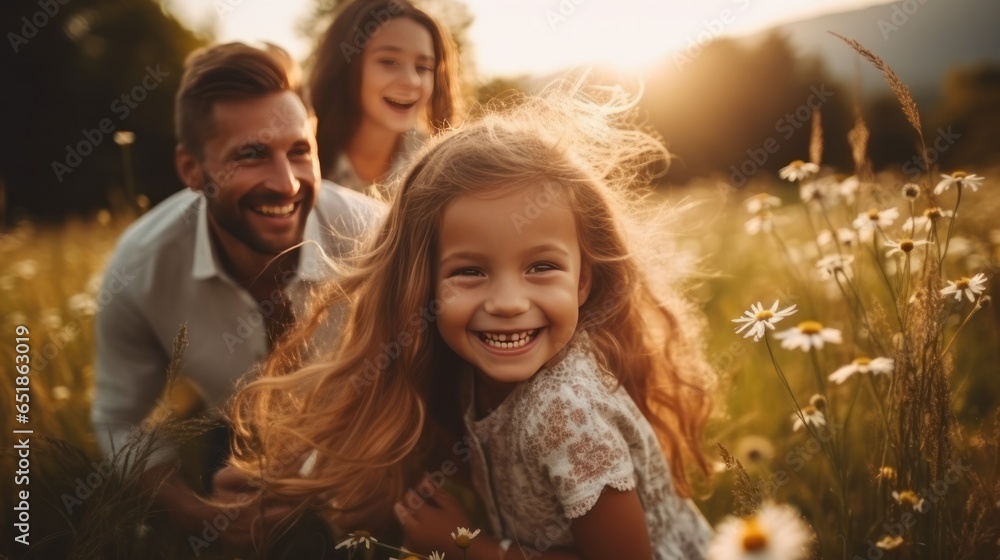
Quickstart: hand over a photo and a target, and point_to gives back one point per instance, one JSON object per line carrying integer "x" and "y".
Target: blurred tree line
{"x": 77, "y": 71}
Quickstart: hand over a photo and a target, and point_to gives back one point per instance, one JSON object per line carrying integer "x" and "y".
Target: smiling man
{"x": 234, "y": 256}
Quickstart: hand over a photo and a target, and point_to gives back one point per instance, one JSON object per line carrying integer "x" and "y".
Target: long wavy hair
{"x": 370, "y": 401}
{"x": 335, "y": 80}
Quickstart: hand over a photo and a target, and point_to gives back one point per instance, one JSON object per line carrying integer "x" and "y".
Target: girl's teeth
{"x": 504, "y": 340}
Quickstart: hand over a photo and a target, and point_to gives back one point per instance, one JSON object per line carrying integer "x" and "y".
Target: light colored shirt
{"x": 343, "y": 172}
{"x": 165, "y": 272}
{"x": 543, "y": 457}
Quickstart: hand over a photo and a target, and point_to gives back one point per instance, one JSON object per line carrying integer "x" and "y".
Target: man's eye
{"x": 250, "y": 153}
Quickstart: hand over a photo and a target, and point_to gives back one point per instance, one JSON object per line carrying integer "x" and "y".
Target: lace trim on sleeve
{"x": 586, "y": 503}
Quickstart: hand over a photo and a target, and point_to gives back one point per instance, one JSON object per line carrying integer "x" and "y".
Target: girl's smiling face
{"x": 397, "y": 75}
{"x": 509, "y": 286}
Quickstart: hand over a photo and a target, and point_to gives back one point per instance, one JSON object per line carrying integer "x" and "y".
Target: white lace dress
{"x": 544, "y": 456}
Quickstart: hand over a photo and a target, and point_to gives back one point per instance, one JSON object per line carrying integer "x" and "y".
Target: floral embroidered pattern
{"x": 544, "y": 456}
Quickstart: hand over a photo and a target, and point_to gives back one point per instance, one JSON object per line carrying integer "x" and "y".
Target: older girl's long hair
{"x": 368, "y": 402}
{"x": 335, "y": 80}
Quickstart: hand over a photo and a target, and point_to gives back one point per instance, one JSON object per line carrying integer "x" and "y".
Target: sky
{"x": 537, "y": 37}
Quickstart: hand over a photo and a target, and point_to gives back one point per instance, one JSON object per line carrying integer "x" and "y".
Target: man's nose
{"x": 283, "y": 178}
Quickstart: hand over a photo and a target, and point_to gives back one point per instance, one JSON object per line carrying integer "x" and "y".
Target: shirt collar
{"x": 311, "y": 257}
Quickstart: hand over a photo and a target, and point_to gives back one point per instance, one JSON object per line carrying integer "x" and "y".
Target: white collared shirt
{"x": 164, "y": 272}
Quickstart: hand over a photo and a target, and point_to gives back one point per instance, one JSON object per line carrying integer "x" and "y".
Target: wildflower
{"x": 51, "y": 319}
{"x": 811, "y": 416}
{"x": 774, "y": 532}
{"x": 124, "y": 137}
{"x": 760, "y": 202}
{"x": 358, "y": 537}
{"x": 960, "y": 178}
{"x": 82, "y": 304}
{"x": 910, "y": 498}
{"x": 436, "y": 556}
{"x": 759, "y": 318}
{"x": 875, "y": 217}
{"x": 848, "y": 188}
{"x": 798, "y": 170}
{"x": 845, "y": 237}
{"x": 761, "y": 222}
{"x": 903, "y": 246}
{"x": 889, "y": 542}
{"x": 818, "y": 402}
{"x": 887, "y": 473}
{"x": 911, "y": 190}
{"x": 808, "y": 334}
{"x": 754, "y": 450}
{"x": 830, "y": 265}
{"x": 26, "y": 269}
{"x": 971, "y": 287}
{"x": 464, "y": 538}
{"x": 60, "y": 392}
{"x": 927, "y": 220}
{"x": 862, "y": 365}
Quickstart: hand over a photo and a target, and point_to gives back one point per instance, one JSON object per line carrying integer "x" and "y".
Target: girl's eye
{"x": 543, "y": 267}
{"x": 467, "y": 272}
{"x": 387, "y": 62}
{"x": 424, "y": 69}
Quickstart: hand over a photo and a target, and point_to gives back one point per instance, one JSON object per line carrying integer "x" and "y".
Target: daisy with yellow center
{"x": 807, "y": 335}
{"x": 903, "y": 246}
{"x": 463, "y": 537}
{"x": 971, "y": 287}
{"x": 925, "y": 222}
{"x": 775, "y": 532}
{"x": 960, "y": 178}
{"x": 844, "y": 236}
{"x": 798, "y": 170}
{"x": 911, "y": 190}
{"x": 758, "y": 319}
{"x": 887, "y": 473}
{"x": 763, "y": 221}
{"x": 875, "y": 218}
{"x": 862, "y": 365}
{"x": 811, "y": 416}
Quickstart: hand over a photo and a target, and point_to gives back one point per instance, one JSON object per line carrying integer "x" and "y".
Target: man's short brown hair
{"x": 231, "y": 71}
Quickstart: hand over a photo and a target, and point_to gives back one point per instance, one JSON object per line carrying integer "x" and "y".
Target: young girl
{"x": 385, "y": 76}
{"x": 504, "y": 320}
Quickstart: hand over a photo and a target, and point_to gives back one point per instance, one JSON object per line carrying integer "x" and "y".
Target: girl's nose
{"x": 506, "y": 299}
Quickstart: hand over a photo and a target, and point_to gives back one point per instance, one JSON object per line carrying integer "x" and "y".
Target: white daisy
{"x": 761, "y": 222}
{"x": 808, "y": 334}
{"x": 812, "y": 415}
{"x": 831, "y": 265}
{"x": 774, "y": 533}
{"x": 463, "y": 537}
{"x": 798, "y": 170}
{"x": 436, "y": 556}
{"x": 845, "y": 237}
{"x": 971, "y": 287}
{"x": 357, "y": 538}
{"x": 903, "y": 246}
{"x": 761, "y": 201}
{"x": 911, "y": 190}
{"x": 862, "y": 365}
{"x": 82, "y": 304}
{"x": 754, "y": 450}
{"x": 960, "y": 178}
{"x": 848, "y": 188}
{"x": 875, "y": 217}
{"x": 926, "y": 221}
{"x": 758, "y": 318}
